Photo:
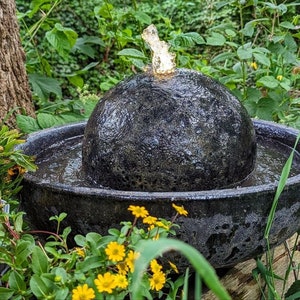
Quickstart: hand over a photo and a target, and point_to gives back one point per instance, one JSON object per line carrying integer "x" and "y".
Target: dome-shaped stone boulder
{"x": 182, "y": 132}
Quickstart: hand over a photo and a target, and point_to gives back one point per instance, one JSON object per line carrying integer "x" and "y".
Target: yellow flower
{"x": 121, "y": 281}
{"x": 83, "y": 292}
{"x": 180, "y": 209}
{"x": 138, "y": 211}
{"x": 149, "y": 220}
{"x": 155, "y": 266}
{"x": 80, "y": 251}
{"x": 115, "y": 251}
{"x": 105, "y": 283}
{"x": 253, "y": 65}
{"x": 122, "y": 268}
{"x": 157, "y": 281}
{"x": 279, "y": 77}
{"x": 174, "y": 267}
{"x": 130, "y": 259}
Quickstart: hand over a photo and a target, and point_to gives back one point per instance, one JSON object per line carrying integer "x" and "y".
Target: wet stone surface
{"x": 181, "y": 133}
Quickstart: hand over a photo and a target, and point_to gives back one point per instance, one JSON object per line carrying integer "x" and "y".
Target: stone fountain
{"x": 168, "y": 136}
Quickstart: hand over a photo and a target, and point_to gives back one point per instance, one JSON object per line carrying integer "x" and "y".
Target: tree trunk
{"x": 15, "y": 95}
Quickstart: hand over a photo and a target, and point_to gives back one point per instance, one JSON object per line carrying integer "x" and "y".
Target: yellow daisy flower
{"x": 149, "y": 220}
{"x": 279, "y": 77}
{"x": 138, "y": 211}
{"x": 83, "y": 292}
{"x": 157, "y": 281}
{"x": 180, "y": 209}
{"x": 121, "y": 281}
{"x": 115, "y": 251}
{"x": 130, "y": 259}
{"x": 155, "y": 266}
{"x": 105, "y": 283}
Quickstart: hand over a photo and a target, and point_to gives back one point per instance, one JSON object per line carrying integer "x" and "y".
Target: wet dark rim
{"x": 283, "y": 134}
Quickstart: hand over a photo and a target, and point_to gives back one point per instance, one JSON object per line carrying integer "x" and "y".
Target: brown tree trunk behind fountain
{"x": 15, "y": 95}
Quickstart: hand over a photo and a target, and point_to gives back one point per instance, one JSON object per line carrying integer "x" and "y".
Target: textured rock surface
{"x": 181, "y": 133}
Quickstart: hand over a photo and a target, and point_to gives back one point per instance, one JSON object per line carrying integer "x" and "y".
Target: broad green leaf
{"x": 142, "y": 17}
{"x": 222, "y": 56}
{"x": 287, "y": 25}
{"x": 23, "y": 250}
{"x": 41, "y": 287}
{"x": 216, "y": 39}
{"x": 131, "y": 52}
{"x": 16, "y": 281}
{"x": 46, "y": 120}
{"x": 80, "y": 240}
{"x": 62, "y": 39}
{"x": 27, "y": 124}
{"x": 62, "y": 293}
{"x": 84, "y": 45}
{"x": 6, "y": 293}
{"x": 293, "y": 292}
{"x": 76, "y": 80}
{"x": 262, "y": 59}
{"x": 268, "y": 81}
{"x": 265, "y": 108}
{"x": 43, "y": 86}
{"x": 40, "y": 263}
{"x": 90, "y": 263}
{"x": 245, "y": 52}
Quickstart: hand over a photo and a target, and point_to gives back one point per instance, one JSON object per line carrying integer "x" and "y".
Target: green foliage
{"x": 13, "y": 163}
{"x": 59, "y": 112}
{"x": 251, "y": 47}
{"x": 53, "y": 271}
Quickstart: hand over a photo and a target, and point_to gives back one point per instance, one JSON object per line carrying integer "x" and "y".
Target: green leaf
{"x": 265, "y": 108}
{"x": 62, "y": 39}
{"x": 27, "y": 124}
{"x": 16, "y": 281}
{"x": 142, "y": 17}
{"x": 222, "y": 56}
{"x": 43, "y": 86}
{"x": 40, "y": 262}
{"x": 39, "y": 287}
{"x": 245, "y": 52}
{"x": 293, "y": 292}
{"x": 46, "y": 120}
{"x": 83, "y": 45}
{"x": 216, "y": 39}
{"x": 89, "y": 263}
{"x": 131, "y": 52}
{"x": 262, "y": 59}
{"x": 76, "y": 81}
{"x": 287, "y": 25}
{"x": 6, "y": 293}
{"x": 80, "y": 240}
{"x": 268, "y": 81}
{"x": 23, "y": 250}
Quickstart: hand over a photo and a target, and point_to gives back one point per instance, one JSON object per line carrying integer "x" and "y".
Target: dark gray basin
{"x": 226, "y": 225}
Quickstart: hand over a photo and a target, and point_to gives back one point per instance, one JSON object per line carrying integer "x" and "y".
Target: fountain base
{"x": 225, "y": 225}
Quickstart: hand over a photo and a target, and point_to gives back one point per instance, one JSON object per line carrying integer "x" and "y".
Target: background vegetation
{"x": 77, "y": 50}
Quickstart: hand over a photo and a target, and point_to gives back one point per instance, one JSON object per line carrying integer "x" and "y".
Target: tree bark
{"x": 15, "y": 94}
